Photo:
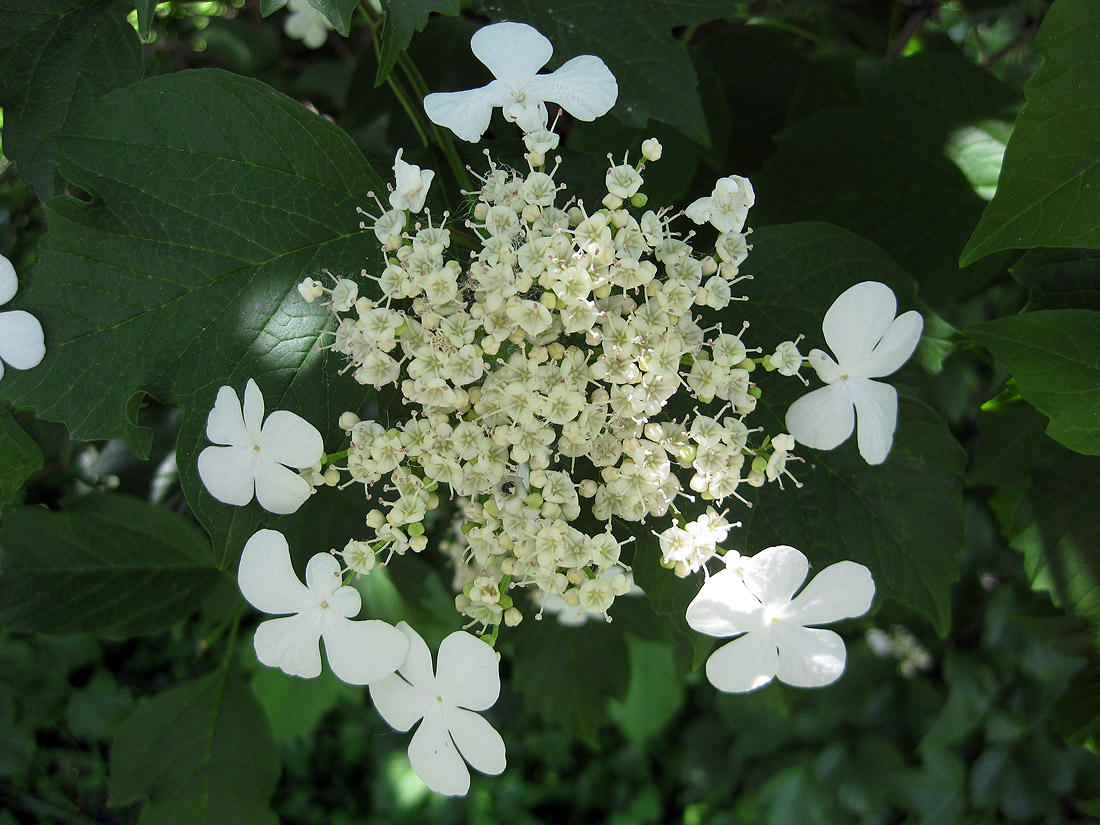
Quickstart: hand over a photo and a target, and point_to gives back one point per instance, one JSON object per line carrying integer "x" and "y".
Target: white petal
{"x": 9, "y": 283}
{"x": 267, "y": 578}
{"x": 228, "y": 473}
{"x": 840, "y": 591}
{"x": 253, "y": 409}
{"x": 399, "y": 703}
{"x": 856, "y": 321}
{"x": 345, "y": 603}
{"x": 724, "y": 606}
{"x": 363, "y": 652}
{"x": 512, "y": 51}
{"x": 824, "y": 418}
{"x": 877, "y": 416}
{"x": 417, "y": 667}
{"x": 289, "y": 439}
{"x": 467, "y": 114}
{"x": 466, "y": 672}
{"x": 897, "y": 344}
{"x": 745, "y": 663}
{"x": 477, "y": 740}
{"x": 279, "y": 490}
{"x": 583, "y": 86}
{"x": 225, "y": 422}
{"x": 323, "y": 577}
{"x": 22, "y": 344}
{"x": 290, "y": 644}
{"x": 699, "y": 211}
{"x": 435, "y": 758}
{"x": 826, "y": 368}
{"x": 775, "y": 573}
{"x": 809, "y": 656}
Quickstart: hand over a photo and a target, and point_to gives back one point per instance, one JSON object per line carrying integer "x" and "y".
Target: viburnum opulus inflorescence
{"x": 573, "y": 376}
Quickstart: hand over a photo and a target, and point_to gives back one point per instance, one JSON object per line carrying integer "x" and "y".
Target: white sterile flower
{"x": 753, "y": 597}
{"x": 412, "y": 185}
{"x": 465, "y": 680}
{"x": 869, "y": 342}
{"x": 307, "y": 24}
{"x": 253, "y": 456}
{"x": 727, "y": 207}
{"x": 358, "y": 652}
{"x": 21, "y": 341}
{"x": 514, "y": 52}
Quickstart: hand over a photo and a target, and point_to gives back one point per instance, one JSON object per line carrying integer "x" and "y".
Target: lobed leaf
{"x": 56, "y": 58}
{"x": 201, "y": 752}
{"x": 1060, "y": 278}
{"x": 109, "y": 564}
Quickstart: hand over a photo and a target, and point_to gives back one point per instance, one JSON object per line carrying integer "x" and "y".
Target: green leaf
{"x": 1053, "y": 356}
{"x": 634, "y": 38}
{"x": 1060, "y": 278}
{"x": 1076, "y": 716}
{"x": 905, "y": 170}
{"x": 56, "y": 58}
{"x": 212, "y": 197}
{"x": 877, "y": 516}
{"x": 109, "y": 564}
{"x": 1046, "y": 503}
{"x": 145, "y": 9}
{"x": 655, "y": 691}
{"x": 295, "y": 707}
{"x": 567, "y": 674}
{"x": 403, "y": 19}
{"x": 200, "y": 752}
{"x": 19, "y": 457}
{"x": 1049, "y": 191}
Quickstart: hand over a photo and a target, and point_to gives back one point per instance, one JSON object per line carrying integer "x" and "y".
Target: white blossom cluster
{"x": 540, "y": 374}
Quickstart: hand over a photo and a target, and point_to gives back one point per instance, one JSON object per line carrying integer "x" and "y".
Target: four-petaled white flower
{"x": 412, "y": 185}
{"x": 869, "y": 342}
{"x": 465, "y": 680}
{"x": 21, "y": 342}
{"x": 307, "y": 24}
{"x": 753, "y": 596}
{"x": 514, "y": 52}
{"x": 253, "y": 456}
{"x": 358, "y": 652}
{"x": 728, "y": 206}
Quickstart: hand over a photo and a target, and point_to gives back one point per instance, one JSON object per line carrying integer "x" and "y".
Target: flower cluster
{"x": 577, "y": 373}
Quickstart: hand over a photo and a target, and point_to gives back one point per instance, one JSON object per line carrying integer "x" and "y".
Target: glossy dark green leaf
{"x": 403, "y": 19}
{"x": 907, "y": 169}
{"x": 56, "y": 58}
{"x": 200, "y": 753}
{"x": 19, "y": 457}
{"x": 634, "y": 38}
{"x": 1049, "y": 190}
{"x": 212, "y": 196}
{"x": 109, "y": 564}
{"x": 874, "y": 515}
{"x": 1054, "y": 358}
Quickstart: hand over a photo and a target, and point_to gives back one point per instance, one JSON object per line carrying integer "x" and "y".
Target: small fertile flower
{"x": 257, "y": 454}
{"x": 869, "y": 342}
{"x": 21, "y": 342}
{"x": 465, "y": 680}
{"x": 412, "y": 185}
{"x": 358, "y": 652}
{"x": 307, "y": 24}
{"x": 727, "y": 207}
{"x": 514, "y": 53}
{"x": 753, "y": 598}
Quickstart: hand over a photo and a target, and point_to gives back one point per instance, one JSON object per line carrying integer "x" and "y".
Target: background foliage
{"x": 170, "y": 172}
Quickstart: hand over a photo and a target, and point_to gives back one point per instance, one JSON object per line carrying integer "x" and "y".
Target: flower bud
{"x": 332, "y": 477}
{"x": 651, "y": 149}
{"x": 348, "y": 420}
{"x": 512, "y": 616}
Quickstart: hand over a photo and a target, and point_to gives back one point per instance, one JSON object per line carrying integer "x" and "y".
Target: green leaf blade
{"x": 201, "y": 752}
{"x": 1054, "y": 358}
{"x": 1049, "y": 191}
{"x": 19, "y": 457}
{"x": 404, "y": 18}
{"x": 110, "y": 564}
